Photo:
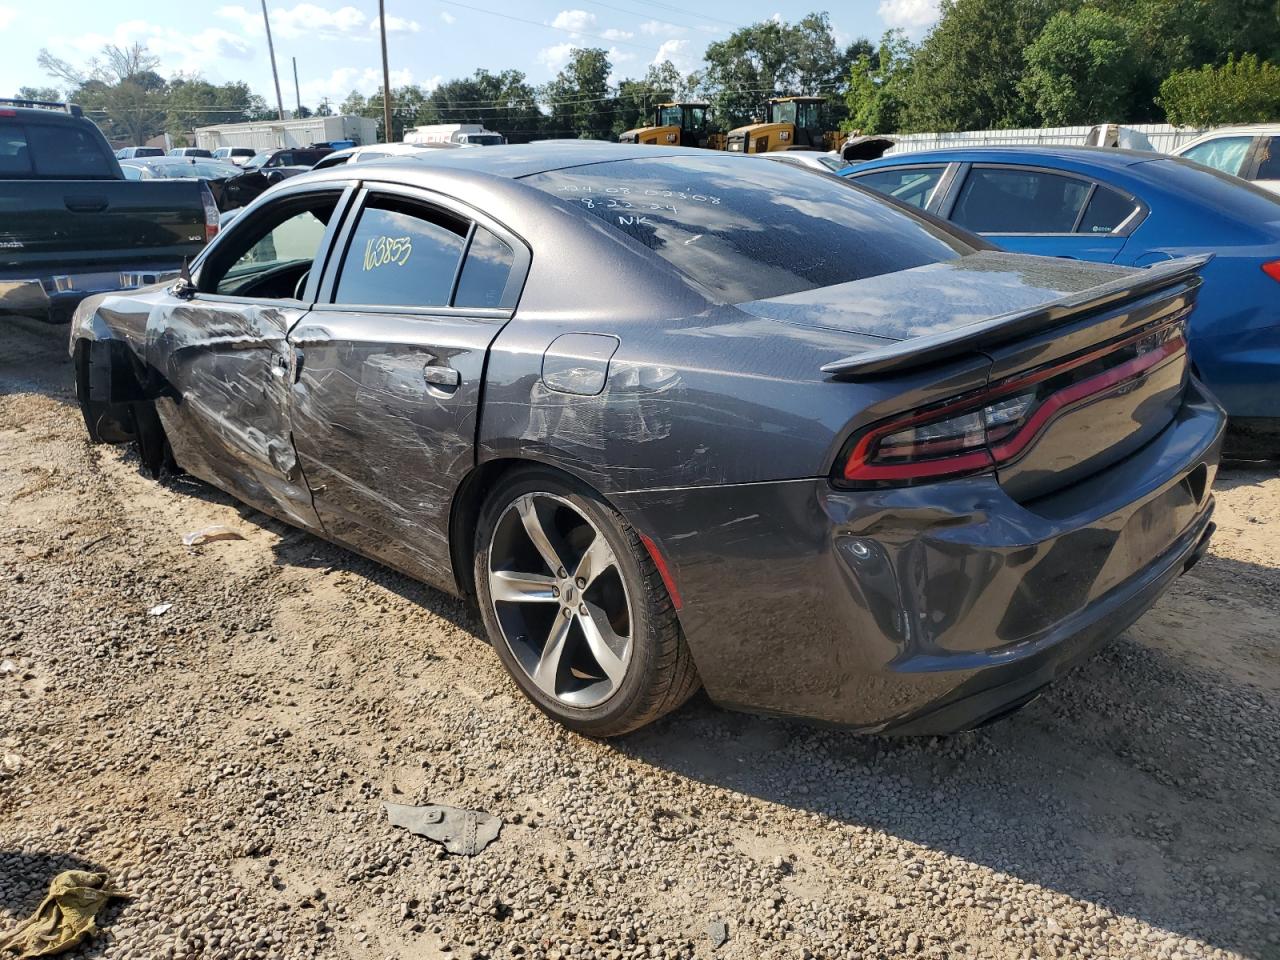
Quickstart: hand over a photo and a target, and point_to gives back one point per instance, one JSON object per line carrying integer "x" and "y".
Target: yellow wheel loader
{"x": 682, "y": 124}
{"x": 792, "y": 122}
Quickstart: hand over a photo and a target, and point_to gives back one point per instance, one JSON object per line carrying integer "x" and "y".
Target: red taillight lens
{"x": 978, "y": 431}
{"x": 211, "y": 216}
{"x": 1272, "y": 269}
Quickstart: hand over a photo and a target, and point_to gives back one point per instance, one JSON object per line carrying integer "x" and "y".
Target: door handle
{"x": 441, "y": 377}
{"x": 85, "y": 204}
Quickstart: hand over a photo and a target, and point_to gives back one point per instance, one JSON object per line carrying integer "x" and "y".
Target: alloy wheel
{"x": 560, "y": 600}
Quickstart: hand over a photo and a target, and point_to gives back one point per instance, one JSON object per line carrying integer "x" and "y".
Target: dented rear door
{"x": 392, "y": 359}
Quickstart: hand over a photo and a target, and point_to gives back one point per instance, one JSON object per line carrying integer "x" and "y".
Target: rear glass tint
{"x": 1013, "y": 200}
{"x": 1106, "y": 211}
{"x": 748, "y": 230}
{"x": 1218, "y": 191}
{"x": 15, "y": 155}
{"x": 68, "y": 150}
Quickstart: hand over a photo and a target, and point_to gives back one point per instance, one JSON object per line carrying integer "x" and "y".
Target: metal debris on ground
{"x": 717, "y": 933}
{"x": 65, "y": 918}
{"x": 219, "y": 531}
{"x": 461, "y": 831}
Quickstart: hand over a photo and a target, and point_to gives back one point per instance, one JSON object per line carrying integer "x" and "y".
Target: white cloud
{"x": 553, "y": 58}
{"x": 660, "y": 28}
{"x": 574, "y": 21}
{"x": 7, "y": 16}
{"x": 300, "y": 20}
{"x": 367, "y": 80}
{"x": 908, "y": 14}
{"x": 178, "y": 50}
{"x": 679, "y": 53}
{"x": 448, "y": 17}
{"x": 397, "y": 25}
{"x": 615, "y": 34}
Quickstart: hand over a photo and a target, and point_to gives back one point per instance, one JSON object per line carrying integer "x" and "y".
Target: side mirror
{"x": 184, "y": 287}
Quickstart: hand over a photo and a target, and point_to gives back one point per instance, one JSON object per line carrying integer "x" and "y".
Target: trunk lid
{"x": 1086, "y": 362}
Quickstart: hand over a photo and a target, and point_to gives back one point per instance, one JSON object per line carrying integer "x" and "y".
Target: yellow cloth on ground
{"x": 65, "y": 918}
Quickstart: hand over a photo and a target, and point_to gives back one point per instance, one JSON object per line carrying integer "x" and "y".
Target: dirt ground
{"x": 226, "y": 759}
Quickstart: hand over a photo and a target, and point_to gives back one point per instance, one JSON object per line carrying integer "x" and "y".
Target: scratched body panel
{"x": 708, "y": 424}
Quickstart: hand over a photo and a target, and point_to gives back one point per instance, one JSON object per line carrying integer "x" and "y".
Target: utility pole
{"x": 275, "y": 75}
{"x": 386, "y": 74}
{"x": 297, "y": 91}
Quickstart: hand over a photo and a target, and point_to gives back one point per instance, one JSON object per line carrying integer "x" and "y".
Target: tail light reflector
{"x": 212, "y": 220}
{"x": 1272, "y": 269}
{"x": 978, "y": 431}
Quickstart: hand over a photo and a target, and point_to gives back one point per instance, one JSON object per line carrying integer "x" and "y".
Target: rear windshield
{"x": 1220, "y": 191}
{"x": 56, "y": 150}
{"x": 747, "y": 230}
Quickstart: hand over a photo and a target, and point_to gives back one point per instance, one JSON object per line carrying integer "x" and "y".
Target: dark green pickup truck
{"x": 71, "y": 225}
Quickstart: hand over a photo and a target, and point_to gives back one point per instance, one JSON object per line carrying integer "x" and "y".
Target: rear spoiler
{"x": 994, "y": 331}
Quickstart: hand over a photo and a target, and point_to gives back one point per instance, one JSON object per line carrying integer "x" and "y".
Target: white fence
{"x": 1163, "y": 137}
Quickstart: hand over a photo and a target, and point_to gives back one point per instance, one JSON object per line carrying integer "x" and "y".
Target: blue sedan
{"x": 1134, "y": 208}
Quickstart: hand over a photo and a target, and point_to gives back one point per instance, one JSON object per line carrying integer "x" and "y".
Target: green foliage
{"x": 48, "y": 94}
{"x": 637, "y": 98}
{"x": 579, "y": 99}
{"x": 1083, "y": 68}
{"x": 503, "y": 101}
{"x": 878, "y": 86}
{"x": 1239, "y": 91}
{"x": 966, "y": 73}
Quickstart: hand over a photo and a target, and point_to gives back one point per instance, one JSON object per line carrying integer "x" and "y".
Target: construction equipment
{"x": 791, "y": 122}
{"x": 679, "y": 124}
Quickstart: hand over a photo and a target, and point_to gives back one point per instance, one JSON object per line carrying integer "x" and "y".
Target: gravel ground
{"x": 226, "y": 760}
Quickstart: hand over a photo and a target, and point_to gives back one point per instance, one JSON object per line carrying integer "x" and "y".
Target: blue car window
{"x": 1106, "y": 211}
{"x": 914, "y": 185}
{"x": 1223, "y": 153}
{"x": 1013, "y": 200}
{"x": 401, "y": 254}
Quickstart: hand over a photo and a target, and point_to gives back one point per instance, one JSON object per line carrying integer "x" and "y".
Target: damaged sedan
{"x": 672, "y": 422}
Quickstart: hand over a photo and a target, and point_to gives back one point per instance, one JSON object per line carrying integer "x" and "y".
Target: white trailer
{"x": 275, "y": 134}
{"x": 463, "y": 134}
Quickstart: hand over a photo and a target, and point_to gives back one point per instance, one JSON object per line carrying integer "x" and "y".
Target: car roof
{"x": 1110, "y": 157}
{"x": 42, "y": 114}
{"x": 527, "y": 159}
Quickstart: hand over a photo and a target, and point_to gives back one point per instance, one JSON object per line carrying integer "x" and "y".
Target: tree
{"x": 877, "y": 86}
{"x": 1240, "y": 91}
{"x": 636, "y": 99}
{"x": 965, "y": 75}
{"x": 1083, "y": 68}
{"x": 579, "y": 98}
{"x": 48, "y": 94}
{"x": 408, "y": 107}
{"x": 503, "y": 101}
{"x": 194, "y": 102}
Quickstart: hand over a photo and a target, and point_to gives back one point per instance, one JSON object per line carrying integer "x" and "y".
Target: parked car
{"x": 72, "y": 226}
{"x": 133, "y": 153}
{"x": 191, "y": 152}
{"x": 376, "y": 151}
{"x": 298, "y": 158}
{"x": 216, "y": 174}
{"x": 900, "y": 486}
{"x": 820, "y": 160}
{"x": 1250, "y": 152}
{"x": 236, "y": 155}
{"x": 1133, "y": 208}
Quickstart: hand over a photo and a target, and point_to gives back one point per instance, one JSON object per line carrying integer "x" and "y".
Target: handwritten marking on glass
{"x": 380, "y": 251}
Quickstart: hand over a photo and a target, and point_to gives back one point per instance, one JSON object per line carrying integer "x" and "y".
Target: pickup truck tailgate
{"x": 73, "y": 225}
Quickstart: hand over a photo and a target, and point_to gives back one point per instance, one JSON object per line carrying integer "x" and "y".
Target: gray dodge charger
{"x": 677, "y": 418}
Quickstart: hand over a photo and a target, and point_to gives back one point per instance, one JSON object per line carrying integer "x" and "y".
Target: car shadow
{"x": 1140, "y": 784}
{"x": 24, "y": 882}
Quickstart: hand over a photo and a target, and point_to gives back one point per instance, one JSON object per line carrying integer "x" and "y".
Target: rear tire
{"x": 603, "y": 659}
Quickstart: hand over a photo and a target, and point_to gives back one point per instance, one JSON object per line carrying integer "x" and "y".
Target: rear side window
{"x": 402, "y": 254}
{"x": 995, "y": 200}
{"x": 749, "y": 231}
{"x": 1106, "y": 211}
{"x": 1223, "y": 153}
{"x": 68, "y": 150}
{"x": 15, "y": 155}
{"x": 914, "y": 185}
{"x": 484, "y": 275}
{"x": 1269, "y": 159}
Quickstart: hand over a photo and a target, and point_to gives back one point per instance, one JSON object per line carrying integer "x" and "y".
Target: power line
{"x": 545, "y": 26}
{"x": 704, "y": 16}
{"x": 642, "y": 13}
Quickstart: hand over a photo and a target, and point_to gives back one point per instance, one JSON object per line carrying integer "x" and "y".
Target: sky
{"x": 336, "y": 41}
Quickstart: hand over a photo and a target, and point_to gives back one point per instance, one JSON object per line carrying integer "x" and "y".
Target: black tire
{"x": 660, "y": 675}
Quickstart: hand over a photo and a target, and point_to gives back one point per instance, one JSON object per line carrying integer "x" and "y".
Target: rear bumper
{"x": 927, "y": 609}
{"x": 55, "y": 296}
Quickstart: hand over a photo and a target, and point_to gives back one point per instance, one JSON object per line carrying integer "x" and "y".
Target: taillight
{"x": 978, "y": 431}
{"x": 211, "y": 215}
{"x": 1272, "y": 269}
